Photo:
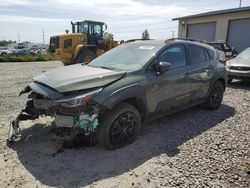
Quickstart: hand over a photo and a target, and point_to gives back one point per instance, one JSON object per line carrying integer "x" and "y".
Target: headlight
{"x": 77, "y": 100}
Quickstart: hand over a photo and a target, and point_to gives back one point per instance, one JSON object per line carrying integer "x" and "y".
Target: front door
{"x": 172, "y": 89}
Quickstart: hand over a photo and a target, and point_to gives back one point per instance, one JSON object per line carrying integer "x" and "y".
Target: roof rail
{"x": 133, "y": 40}
{"x": 187, "y": 39}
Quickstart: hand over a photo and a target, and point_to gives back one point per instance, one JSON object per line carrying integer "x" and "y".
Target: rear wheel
{"x": 119, "y": 127}
{"x": 215, "y": 97}
{"x": 85, "y": 56}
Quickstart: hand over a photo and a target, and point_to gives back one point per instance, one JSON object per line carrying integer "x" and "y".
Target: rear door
{"x": 170, "y": 90}
{"x": 202, "y": 66}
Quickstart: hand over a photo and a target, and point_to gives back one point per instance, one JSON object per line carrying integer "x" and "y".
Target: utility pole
{"x": 43, "y": 38}
{"x": 172, "y": 34}
{"x": 18, "y": 38}
{"x": 240, "y": 3}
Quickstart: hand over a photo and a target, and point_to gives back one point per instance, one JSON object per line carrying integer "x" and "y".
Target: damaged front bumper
{"x": 73, "y": 111}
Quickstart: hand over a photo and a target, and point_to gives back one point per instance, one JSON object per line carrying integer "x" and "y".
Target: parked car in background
{"x": 35, "y": 51}
{"x": 23, "y": 51}
{"x": 5, "y": 51}
{"x": 224, "y": 47}
{"x": 239, "y": 67}
{"x": 133, "y": 83}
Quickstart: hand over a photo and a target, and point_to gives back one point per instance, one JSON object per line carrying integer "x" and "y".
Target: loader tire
{"x": 85, "y": 56}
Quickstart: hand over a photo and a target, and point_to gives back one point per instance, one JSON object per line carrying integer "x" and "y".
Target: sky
{"x": 126, "y": 19}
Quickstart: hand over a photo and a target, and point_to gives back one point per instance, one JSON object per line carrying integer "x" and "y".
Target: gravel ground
{"x": 193, "y": 148}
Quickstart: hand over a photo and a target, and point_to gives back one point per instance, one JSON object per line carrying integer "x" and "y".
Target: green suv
{"x": 110, "y": 98}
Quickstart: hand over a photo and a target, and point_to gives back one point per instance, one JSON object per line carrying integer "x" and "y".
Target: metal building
{"x": 231, "y": 25}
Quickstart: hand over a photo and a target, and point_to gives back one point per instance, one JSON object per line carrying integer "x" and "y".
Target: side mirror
{"x": 162, "y": 67}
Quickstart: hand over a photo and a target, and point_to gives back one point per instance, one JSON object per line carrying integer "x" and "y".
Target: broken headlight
{"x": 77, "y": 100}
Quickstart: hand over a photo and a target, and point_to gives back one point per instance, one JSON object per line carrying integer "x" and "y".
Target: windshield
{"x": 82, "y": 28}
{"x": 245, "y": 54}
{"x": 127, "y": 57}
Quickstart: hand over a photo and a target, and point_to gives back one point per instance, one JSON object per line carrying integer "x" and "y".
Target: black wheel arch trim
{"x": 221, "y": 77}
{"x": 132, "y": 91}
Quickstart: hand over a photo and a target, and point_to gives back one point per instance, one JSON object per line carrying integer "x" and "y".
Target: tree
{"x": 6, "y": 43}
{"x": 109, "y": 41}
{"x": 145, "y": 35}
{"x": 108, "y": 36}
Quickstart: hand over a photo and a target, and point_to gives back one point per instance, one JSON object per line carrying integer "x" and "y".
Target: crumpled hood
{"x": 77, "y": 77}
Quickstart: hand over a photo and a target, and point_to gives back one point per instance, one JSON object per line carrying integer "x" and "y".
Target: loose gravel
{"x": 192, "y": 148}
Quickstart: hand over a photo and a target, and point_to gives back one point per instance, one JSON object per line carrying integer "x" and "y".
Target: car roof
{"x": 171, "y": 41}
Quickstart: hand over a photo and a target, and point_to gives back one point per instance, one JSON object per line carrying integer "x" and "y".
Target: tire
{"x": 119, "y": 127}
{"x": 215, "y": 97}
{"x": 85, "y": 56}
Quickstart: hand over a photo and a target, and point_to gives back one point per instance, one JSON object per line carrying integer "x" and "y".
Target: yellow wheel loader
{"x": 82, "y": 45}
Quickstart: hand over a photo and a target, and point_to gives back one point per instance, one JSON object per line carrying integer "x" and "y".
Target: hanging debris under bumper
{"x": 70, "y": 111}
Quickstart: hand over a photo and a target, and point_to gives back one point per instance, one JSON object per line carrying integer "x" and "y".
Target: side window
{"x": 196, "y": 54}
{"x": 67, "y": 43}
{"x": 175, "y": 55}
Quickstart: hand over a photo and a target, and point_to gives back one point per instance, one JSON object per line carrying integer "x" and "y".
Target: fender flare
{"x": 127, "y": 92}
{"x": 219, "y": 76}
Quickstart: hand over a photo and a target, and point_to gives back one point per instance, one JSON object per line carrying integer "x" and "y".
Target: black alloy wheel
{"x": 123, "y": 129}
{"x": 119, "y": 127}
{"x": 215, "y": 97}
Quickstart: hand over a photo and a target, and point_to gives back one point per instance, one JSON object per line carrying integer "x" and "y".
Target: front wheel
{"x": 215, "y": 97}
{"x": 119, "y": 127}
{"x": 85, "y": 56}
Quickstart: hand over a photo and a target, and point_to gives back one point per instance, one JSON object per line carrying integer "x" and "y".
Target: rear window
{"x": 196, "y": 54}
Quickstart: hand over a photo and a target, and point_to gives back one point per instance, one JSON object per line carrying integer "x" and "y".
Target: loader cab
{"x": 93, "y": 29}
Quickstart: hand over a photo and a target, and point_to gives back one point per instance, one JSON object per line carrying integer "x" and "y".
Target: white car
{"x": 5, "y": 51}
{"x": 239, "y": 67}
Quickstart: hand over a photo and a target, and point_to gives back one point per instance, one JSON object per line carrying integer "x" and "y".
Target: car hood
{"x": 77, "y": 77}
{"x": 238, "y": 61}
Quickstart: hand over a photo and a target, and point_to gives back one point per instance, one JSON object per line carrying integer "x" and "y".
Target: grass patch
{"x": 26, "y": 58}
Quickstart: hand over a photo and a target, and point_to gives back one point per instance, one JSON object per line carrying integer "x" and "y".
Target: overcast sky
{"x": 125, "y": 18}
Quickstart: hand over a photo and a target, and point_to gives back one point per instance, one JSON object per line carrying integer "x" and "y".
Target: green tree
{"x": 108, "y": 36}
{"x": 145, "y": 35}
{"x": 5, "y": 42}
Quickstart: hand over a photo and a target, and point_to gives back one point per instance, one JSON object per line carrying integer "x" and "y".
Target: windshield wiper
{"x": 109, "y": 68}
{"x": 103, "y": 67}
